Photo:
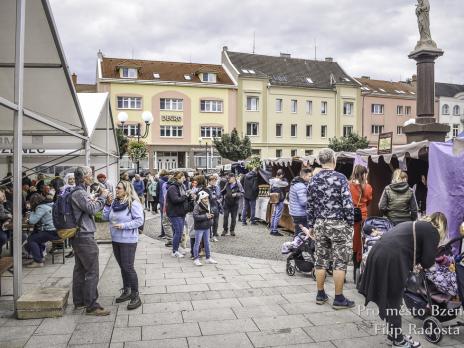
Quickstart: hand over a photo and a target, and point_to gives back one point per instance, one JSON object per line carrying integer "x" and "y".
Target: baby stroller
{"x": 301, "y": 258}
{"x": 427, "y": 303}
{"x": 379, "y": 223}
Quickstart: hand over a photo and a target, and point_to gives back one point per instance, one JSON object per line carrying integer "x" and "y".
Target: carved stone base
{"x": 426, "y": 131}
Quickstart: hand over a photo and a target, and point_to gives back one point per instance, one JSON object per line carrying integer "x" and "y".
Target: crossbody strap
{"x": 415, "y": 242}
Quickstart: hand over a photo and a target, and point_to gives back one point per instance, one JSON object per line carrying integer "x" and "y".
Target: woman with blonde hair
{"x": 389, "y": 263}
{"x": 398, "y": 201}
{"x": 125, "y": 214}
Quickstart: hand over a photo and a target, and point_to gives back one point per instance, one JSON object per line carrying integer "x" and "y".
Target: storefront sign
{"x": 171, "y": 118}
{"x": 385, "y": 143}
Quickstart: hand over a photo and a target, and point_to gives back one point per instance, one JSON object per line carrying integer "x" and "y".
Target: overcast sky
{"x": 367, "y": 37}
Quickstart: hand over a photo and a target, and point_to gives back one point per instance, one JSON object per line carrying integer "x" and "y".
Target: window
{"x": 364, "y": 88}
{"x": 407, "y": 110}
{"x": 187, "y": 77}
{"x": 130, "y": 130}
{"x": 294, "y": 106}
{"x": 279, "y": 130}
{"x": 309, "y": 106}
{"x": 128, "y": 73}
{"x": 376, "y": 129}
{"x": 347, "y": 130}
{"x": 211, "y": 105}
{"x": 171, "y": 104}
{"x": 456, "y": 110}
{"x": 171, "y": 131}
{"x": 293, "y": 152}
{"x": 309, "y": 152}
{"x": 455, "y": 130}
{"x": 399, "y": 130}
{"x": 252, "y": 104}
{"x": 323, "y": 131}
{"x": 324, "y": 108}
{"x": 252, "y": 128}
{"x": 211, "y": 132}
{"x": 208, "y": 77}
{"x": 255, "y": 152}
{"x": 278, "y": 105}
{"x": 129, "y": 102}
{"x": 293, "y": 130}
{"x": 399, "y": 110}
{"x": 309, "y": 80}
{"x": 445, "y": 109}
{"x": 309, "y": 131}
{"x": 377, "y": 109}
{"x": 156, "y": 75}
{"x": 347, "y": 108}
{"x": 279, "y": 153}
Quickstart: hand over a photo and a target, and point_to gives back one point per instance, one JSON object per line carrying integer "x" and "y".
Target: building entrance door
{"x": 167, "y": 160}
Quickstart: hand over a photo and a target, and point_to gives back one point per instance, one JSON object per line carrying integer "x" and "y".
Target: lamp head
{"x": 147, "y": 117}
{"x": 123, "y": 117}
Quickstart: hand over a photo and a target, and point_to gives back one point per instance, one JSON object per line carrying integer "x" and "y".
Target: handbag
{"x": 357, "y": 211}
{"x": 415, "y": 280}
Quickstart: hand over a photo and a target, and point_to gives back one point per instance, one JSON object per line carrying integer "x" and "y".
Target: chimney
{"x": 329, "y": 59}
{"x": 285, "y": 55}
{"x": 366, "y": 77}
{"x": 100, "y": 54}
{"x": 413, "y": 80}
{"x": 74, "y": 79}
{"x": 225, "y": 48}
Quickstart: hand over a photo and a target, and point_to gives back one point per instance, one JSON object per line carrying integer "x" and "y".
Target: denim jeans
{"x": 125, "y": 256}
{"x": 299, "y": 220}
{"x": 249, "y": 204}
{"x": 278, "y": 209}
{"x": 161, "y": 219}
{"x": 35, "y": 243}
{"x": 177, "y": 223}
{"x": 199, "y": 236}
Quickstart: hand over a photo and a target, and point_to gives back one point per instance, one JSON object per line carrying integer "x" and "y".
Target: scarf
{"x": 119, "y": 206}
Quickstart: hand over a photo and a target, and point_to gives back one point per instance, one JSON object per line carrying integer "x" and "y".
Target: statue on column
{"x": 423, "y": 21}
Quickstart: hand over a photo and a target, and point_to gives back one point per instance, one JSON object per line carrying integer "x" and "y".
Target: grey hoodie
{"x": 84, "y": 205}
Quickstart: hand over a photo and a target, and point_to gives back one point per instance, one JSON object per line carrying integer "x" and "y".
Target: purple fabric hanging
{"x": 445, "y": 184}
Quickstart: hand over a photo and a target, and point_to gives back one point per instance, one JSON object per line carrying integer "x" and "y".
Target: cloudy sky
{"x": 367, "y": 37}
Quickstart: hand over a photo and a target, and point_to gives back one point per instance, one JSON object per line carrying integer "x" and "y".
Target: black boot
{"x": 125, "y": 295}
{"x": 135, "y": 301}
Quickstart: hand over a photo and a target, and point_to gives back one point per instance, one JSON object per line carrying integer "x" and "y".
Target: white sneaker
{"x": 177, "y": 254}
{"x": 182, "y": 251}
{"x": 211, "y": 261}
{"x": 197, "y": 262}
{"x": 214, "y": 239}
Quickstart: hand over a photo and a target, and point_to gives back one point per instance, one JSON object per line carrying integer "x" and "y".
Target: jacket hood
{"x": 297, "y": 180}
{"x": 400, "y": 187}
{"x": 164, "y": 178}
{"x": 278, "y": 182}
{"x": 172, "y": 181}
{"x": 250, "y": 174}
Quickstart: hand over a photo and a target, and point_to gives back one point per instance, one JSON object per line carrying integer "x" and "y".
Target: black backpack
{"x": 64, "y": 220}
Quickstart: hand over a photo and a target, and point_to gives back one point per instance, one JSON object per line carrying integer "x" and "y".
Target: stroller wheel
{"x": 313, "y": 273}
{"x": 290, "y": 269}
{"x": 432, "y": 330}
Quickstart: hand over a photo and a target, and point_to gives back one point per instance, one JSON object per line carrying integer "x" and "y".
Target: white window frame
{"x": 251, "y": 129}
{"x": 377, "y": 129}
{"x": 279, "y": 105}
{"x": 128, "y": 73}
{"x": 278, "y": 153}
{"x": 293, "y": 127}
{"x": 455, "y": 130}
{"x": 178, "y": 130}
{"x": 347, "y": 130}
{"x": 377, "y": 109}
{"x": 249, "y": 104}
{"x": 400, "y": 110}
{"x": 129, "y": 130}
{"x": 215, "y": 106}
{"x": 209, "y": 77}
{"x": 294, "y": 106}
{"x": 129, "y": 103}
{"x": 210, "y": 132}
{"x": 309, "y": 107}
{"x": 456, "y": 113}
{"x": 324, "y": 127}
{"x": 324, "y": 107}
{"x": 399, "y": 130}
{"x": 281, "y": 130}
{"x": 348, "y": 108}
{"x": 293, "y": 152}
{"x": 309, "y": 152}
{"x": 310, "y": 127}
{"x": 407, "y": 110}
{"x": 172, "y": 104}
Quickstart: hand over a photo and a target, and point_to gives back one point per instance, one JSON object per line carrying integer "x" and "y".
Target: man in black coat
{"x": 250, "y": 195}
{"x": 232, "y": 194}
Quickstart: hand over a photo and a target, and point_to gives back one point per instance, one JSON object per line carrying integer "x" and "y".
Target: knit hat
{"x": 202, "y": 195}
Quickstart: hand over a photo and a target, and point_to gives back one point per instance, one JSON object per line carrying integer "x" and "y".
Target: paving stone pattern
{"x": 240, "y": 302}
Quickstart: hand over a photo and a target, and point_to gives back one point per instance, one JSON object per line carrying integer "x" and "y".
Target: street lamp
{"x": 200, "y": 139}
{"x": 147, "y": 118}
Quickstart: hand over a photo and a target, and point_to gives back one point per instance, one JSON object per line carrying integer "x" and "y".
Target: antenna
{"x": 315, "y": 49}
{"x": 254, "y": 42}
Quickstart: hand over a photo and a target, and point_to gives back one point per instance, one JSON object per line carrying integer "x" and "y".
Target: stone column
{"x": 150, "y": 159}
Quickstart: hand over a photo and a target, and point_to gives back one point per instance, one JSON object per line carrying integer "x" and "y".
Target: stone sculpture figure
{"x": 423, "y": 21}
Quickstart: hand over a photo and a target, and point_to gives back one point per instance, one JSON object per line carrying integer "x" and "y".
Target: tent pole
{"x": 107, "y": 145}
{"x": 18, "y": 151}
{"x": 87, "y": 153}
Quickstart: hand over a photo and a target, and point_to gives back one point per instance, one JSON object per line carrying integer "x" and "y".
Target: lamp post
{"x": 146, "y": 117}
{"x": 206, "y": 152}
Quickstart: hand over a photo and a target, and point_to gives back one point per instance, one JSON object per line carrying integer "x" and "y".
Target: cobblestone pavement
{"x": 240, "y": 302}
{"x": 250, "y": 241}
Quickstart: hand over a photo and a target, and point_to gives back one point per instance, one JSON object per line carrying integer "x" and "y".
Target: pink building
{"x": 385, "y": 107}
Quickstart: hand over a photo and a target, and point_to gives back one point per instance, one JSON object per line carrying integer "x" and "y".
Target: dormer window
{"x": 308, "y": 80}
{"x": 156, "y": 75}
{"x": 187, "y": 77}
{"x": 208, "y": 77}
{"x": 128, "y": 73}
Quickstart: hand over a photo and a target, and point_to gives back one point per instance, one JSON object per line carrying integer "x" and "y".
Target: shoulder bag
{"x": 357, "y": 210}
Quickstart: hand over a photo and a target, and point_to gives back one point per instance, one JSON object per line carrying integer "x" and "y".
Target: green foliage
{"x": 231, "y": 147}
{"x": 255, "y": 162}
{"x": 351, "y": 143}
{"x": 123, "y": 142}
{"x": 99, "y": 216}
{"x": 137, "y": 150}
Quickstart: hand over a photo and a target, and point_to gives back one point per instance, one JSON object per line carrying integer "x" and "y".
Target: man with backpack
{"x": 86, "y": 273}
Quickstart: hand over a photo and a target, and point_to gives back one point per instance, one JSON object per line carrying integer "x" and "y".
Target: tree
{"x": 231, "y": 147}
{"x": 123, "y": 142}
{"x": 351, "y": 143}
{"x": 137, "y": 151}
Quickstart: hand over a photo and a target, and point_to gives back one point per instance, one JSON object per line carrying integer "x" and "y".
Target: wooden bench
{"x": 5, "y": 264}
